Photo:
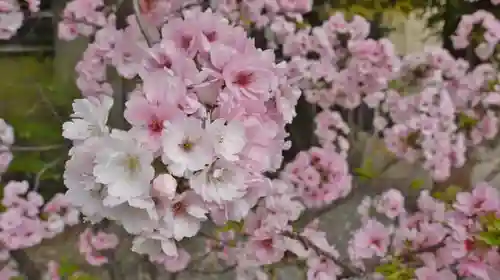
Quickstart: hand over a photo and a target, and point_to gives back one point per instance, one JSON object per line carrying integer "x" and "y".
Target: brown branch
{"x": 215, "y": 271}
{"x": 311, "y": 215}
{"x": 348, "y": 271}
{"x": 26, "y": 266}
{"x": 429, "y": 249}
{"x": 151, "y": 269}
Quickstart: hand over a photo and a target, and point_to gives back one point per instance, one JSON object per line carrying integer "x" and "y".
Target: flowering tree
{"x": 211, "y": 116}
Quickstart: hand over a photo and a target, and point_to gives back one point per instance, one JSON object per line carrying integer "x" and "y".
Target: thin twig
{"x": 33, "y": 148}
{"x": 43, "y": 170}
{"x": 215, "y": 271}
{"x": 141, "y": 23}
{"x": 428, "y": 249}
{"x": 49, "y": 105}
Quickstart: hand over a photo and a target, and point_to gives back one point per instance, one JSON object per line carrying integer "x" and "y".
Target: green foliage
{"x": 67, "y": 268}
{"x": 466, "y": 122}
{"x": 395, "y": 270}
{"x": 448, "y": 195}
{"x": 491, "y": 230}
{"x": 231, "y": 225}
{"x": 417, "y": 184}
{"x": 366, "y": 171}
{"x": 35, "y": 107}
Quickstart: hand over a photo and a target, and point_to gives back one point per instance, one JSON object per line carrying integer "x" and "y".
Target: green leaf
{"x": 466, "y": 122}
{"x": 67, "y": 268}
{"x": 363, "y": 174}
{"x": 490, "y": 238}
{"x": 388, "y": 268}
{"x": 231, "y": 225}
{"x": 417, "y": 184}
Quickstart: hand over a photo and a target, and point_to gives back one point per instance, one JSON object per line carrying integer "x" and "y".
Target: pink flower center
{"x": 479, "y": 203}
{"x": 155, "y": 126}
{"x": 211, "y": 36}
{"x": 164, "y": 61}
{"x": 186, "y": 42}
{"x": 243, "y": 79}
{"x": 377, "y": 242}
{"x": 469, "y": 245}
{"x": 267, "y": 243}
{"x": 178, "y": 208}
{"x": 147, "y": 6}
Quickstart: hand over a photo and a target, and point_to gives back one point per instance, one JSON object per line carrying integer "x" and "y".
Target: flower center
{"x": 211, "y": 36}
{"x": 132, "y": 163}
{"x": 187, "y": 145}
{"x": 243, "y": 79}
{"x": 267, "y": 243}
{"x": 186, "y": 42}
{"x": 155, "y": 125}
{"x": 178, "y": 208}
{"x": 376, "y": 242}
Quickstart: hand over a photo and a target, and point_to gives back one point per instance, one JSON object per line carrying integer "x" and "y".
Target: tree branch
{"x": 348, "y": 271}
{"x": 215, "y": 271}
{"x": 141, "y": 23}
{"x": 33, "y": 148}
{"x": 26, "y": 266}
{"x": 311, "y": 215}
{"x": 40, "y": 173}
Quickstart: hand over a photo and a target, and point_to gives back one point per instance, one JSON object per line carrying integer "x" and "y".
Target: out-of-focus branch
{"x": 49, "y": 104}
{"x": 212, "y": 272}
{"x": 33, "y": 148}
{"x": 26, "y": 266}
{"x": 151, "y": 269}
{"x": 40, "y": 173}
{"x": 310, "y": 215}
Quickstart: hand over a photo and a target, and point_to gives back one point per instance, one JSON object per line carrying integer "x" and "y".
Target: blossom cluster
{"x": 207, "y": 121}
{"x": 319, "y": 175}
{"x": 25, "y": 221}
{"x": 437, "y": 237}
{"x": 12, "y": 16}
{"x": 482, "y": 30}
{"x": 82, "y": 17}
{"x": 339, "y": 65}
{"x": 94, "y": 245}
{"x": 206, "y": 125}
